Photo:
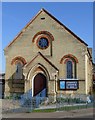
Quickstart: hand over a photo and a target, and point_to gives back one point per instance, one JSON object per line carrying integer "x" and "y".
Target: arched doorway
{"x": 40, "y": 85}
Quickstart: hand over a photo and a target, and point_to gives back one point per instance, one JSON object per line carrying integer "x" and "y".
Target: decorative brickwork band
{"x": 69, "y": 56}
{"x": 18, "y": 59}
{"x": 68, "y": 59}
{"x": 43, "y": 33}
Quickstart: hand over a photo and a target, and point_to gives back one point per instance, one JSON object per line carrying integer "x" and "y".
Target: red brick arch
{"x": 68, "y": 59}
{"x": 72, "y": 57}
{"x": 43, "y": 33}
{"x": 18, "y": 59}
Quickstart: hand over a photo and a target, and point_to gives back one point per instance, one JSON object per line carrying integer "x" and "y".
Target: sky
{"x": 77, "y": 16}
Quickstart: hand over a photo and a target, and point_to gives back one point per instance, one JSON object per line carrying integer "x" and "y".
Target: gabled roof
{"x": 65, "y": 27}
{"x": 40, "y": 54}
{"x": 52, "y": 18}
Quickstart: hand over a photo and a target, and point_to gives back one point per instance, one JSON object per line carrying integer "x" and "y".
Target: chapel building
{"x": 47, "y": 58}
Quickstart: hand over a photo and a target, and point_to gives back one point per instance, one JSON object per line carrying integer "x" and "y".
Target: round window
{"x": 43, "y": 43}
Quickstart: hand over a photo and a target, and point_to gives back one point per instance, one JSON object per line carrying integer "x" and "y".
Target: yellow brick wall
{"x": 64, "y": 43}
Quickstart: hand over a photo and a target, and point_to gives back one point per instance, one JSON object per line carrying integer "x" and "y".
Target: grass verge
{"x": 65, "y": 108}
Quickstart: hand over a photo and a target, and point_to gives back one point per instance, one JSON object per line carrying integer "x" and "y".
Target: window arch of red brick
{"x": 18, "y": 59}
{"x": 43, "y": 33}
{"x": 68, "y": 57}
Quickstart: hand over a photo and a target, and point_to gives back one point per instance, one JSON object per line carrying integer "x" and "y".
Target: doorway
{"x": 40, "y": 85}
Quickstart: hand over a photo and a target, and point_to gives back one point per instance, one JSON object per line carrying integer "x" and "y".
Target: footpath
{"x": 58, "y": 114}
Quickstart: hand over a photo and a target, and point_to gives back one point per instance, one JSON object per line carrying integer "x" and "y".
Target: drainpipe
{"x": 25, "y": 82}
{"x": 55, "y": 91}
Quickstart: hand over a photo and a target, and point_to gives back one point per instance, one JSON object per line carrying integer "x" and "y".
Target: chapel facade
{"x": 48, "y": 58}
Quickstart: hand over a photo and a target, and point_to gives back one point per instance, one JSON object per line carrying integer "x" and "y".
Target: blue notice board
{"x": 62, "y": 84}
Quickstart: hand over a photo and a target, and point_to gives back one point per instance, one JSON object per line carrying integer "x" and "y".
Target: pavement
{"x": 83, "y": 113}
{"x": 80, "y": 113}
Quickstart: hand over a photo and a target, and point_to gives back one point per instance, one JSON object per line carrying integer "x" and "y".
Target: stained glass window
{"x": 43, "y": 43}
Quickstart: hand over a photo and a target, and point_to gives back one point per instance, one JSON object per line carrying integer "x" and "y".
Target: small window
{"x": 42, "y": 18}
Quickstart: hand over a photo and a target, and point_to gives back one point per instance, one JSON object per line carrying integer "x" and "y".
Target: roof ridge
{"x": 42, "y": 9}
{"x": 65, "y": 26}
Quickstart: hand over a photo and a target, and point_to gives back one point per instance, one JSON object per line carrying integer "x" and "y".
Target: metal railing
{"x": 27, "y": 103}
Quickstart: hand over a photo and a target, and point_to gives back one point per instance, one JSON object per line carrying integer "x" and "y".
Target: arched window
{"x": 70, "y": 62}
{"x": 69, "y": 69}
{"x": 19, "y": 72}
{"x": 18, "y": 63}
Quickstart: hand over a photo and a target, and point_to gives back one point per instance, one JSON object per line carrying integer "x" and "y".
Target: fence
{"x": 27, "y": 103}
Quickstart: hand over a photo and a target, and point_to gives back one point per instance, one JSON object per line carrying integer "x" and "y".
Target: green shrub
{"x": 70, "y": 100}
{"x": 13, "y": 96}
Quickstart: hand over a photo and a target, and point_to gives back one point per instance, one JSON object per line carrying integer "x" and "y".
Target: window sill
{"x": 69, "y": 79}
